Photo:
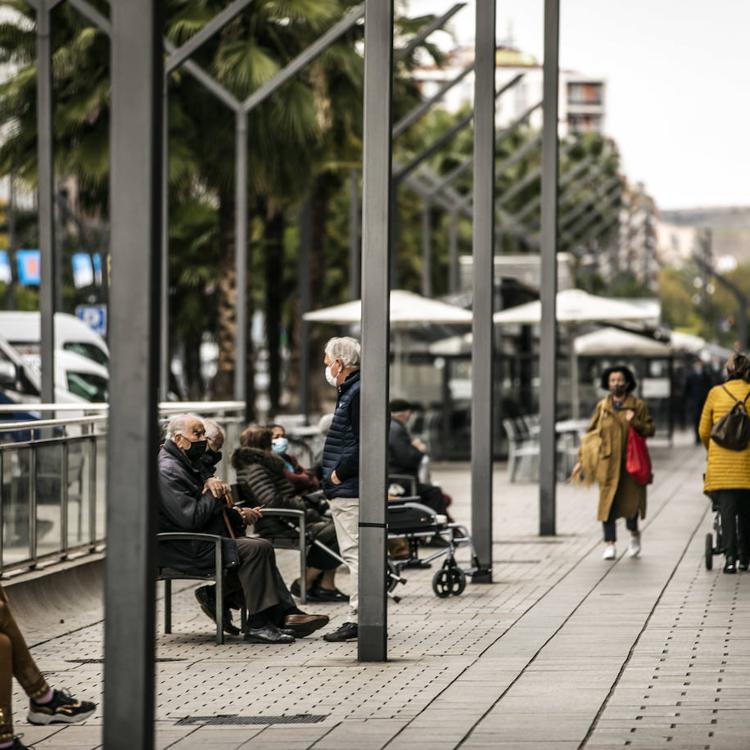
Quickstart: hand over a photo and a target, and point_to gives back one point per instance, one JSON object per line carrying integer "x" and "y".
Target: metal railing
{"x": 53, "y": 479}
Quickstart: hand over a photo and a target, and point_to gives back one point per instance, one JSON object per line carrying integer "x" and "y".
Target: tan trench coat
{"x": 615, "y": 484}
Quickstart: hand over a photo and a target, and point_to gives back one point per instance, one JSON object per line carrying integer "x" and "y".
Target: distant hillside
{"x": 731, "y": 227}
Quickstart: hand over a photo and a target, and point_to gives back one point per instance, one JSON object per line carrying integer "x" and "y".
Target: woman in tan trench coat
{"x": 619, "y": 495}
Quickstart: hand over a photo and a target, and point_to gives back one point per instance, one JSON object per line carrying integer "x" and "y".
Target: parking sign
{"x": 94, "y": 316}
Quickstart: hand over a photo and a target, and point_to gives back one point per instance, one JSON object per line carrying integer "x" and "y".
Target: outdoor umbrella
{"x": 577, "y": 306}
{"x": 408, "y": 311}
{"x": 574, "y": 306}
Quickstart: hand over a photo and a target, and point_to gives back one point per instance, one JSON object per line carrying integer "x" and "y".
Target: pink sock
{"x": 4, "y": 745}
{"x": 47, "y": 698}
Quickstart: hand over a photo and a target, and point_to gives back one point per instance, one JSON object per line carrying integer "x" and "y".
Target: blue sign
{"x": 94, "y": 316}
{"x": 83, "y": 270}
{"x": 28, "y": 264}
{"x": 6, "y": 275}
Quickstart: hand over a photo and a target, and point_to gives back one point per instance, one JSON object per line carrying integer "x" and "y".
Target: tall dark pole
{"x": 240, "y": 233}
{"x": 355, "y": 237}
{"x": 453, "y": 252}
{"x": 548, "y": 335}
{"x": 135, "y": 181}
{"x": 427, "y": 249}
{"x": 164, "y": 347}
{"x": 305, "y": 303}
{"x": 46, "y": 187}
{"x": 376, "y": 249}
{"x": 482, "y": 355}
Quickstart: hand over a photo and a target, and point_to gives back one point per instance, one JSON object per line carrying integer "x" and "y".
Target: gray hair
{"x": 213, "y": 430}
{"x": 344, "y": 348}
{"x": 178, "y": 424}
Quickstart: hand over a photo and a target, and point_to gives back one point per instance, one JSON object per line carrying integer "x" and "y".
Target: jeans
{"x": 734, "y": 507}
{"x": 610, "y": 528}
{"x": 15, "y": 661}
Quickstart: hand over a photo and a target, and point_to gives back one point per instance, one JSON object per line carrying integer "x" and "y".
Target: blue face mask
{"x": 280, "y": 445}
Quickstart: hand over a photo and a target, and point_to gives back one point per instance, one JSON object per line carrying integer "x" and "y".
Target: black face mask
{"x": 196, "y": 450}
{"x": 619, "y": 390}
{"x": 212, "y": 457}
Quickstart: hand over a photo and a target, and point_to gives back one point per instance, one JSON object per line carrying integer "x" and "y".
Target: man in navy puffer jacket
{"x": 341, "y": 465}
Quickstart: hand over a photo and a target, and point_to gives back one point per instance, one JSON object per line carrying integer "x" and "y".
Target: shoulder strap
{"x": 736, "y": 400}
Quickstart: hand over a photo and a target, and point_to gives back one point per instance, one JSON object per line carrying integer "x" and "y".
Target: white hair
{"x": 178, "y": 424}
{"x": 213, "y": 430}
{"x": 344, "y": 348}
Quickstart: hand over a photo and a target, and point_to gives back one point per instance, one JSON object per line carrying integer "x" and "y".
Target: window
{"x": 87, "y": 386}
{"x": 90, "y": 351}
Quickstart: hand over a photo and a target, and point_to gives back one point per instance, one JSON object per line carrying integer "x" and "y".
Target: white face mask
{"x": 330, "y": 377}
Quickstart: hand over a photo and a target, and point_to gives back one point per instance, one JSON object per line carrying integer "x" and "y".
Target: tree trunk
{"x": 222, "y": 387}
{"x": 273, "y": 254}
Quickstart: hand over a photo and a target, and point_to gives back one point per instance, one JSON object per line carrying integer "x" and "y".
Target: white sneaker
{"x": 609, "y": 552}
{"x": 634, "y": 548}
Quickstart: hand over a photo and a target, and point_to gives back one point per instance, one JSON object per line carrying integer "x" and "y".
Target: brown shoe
{"x": 303, "y": 625}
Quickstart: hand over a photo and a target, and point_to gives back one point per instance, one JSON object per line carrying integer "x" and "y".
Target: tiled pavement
{"x": 563, "y": 651}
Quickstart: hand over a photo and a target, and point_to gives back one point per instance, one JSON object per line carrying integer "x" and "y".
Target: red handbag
{"x": 638, "y": 461}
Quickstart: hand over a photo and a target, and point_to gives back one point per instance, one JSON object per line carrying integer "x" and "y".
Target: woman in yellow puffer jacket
{"x": 727, "y": 476}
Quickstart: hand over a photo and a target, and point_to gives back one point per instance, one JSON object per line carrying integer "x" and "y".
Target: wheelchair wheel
{"x": 448, "y": 581}
{"x": 709, "y": 551}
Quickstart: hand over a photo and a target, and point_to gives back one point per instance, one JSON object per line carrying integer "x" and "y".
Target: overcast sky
{"x": 678, "y": 78}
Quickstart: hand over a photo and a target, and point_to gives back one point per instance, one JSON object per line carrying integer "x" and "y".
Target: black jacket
{"x": 183, "y": 506}
{"x": 341, "y": 451}
{"x": 403, "y": 457}
{"x": 261, "y": 480}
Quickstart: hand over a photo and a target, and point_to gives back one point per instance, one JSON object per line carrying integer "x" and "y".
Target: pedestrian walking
{"x": 727, "y": 477}
{"x": 604, "y": 454}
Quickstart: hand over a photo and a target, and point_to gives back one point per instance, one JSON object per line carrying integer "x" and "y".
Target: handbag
{"x": 638, "y": 461}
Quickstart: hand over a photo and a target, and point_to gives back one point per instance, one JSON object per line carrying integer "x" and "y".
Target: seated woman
{"x": 262, "y": 481}
{"x": 301, "y": 479}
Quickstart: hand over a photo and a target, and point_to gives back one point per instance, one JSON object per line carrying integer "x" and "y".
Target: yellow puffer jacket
{"x": 726, "y": 469}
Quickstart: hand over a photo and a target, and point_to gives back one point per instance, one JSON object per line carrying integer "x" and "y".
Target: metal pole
{"x": 453, "y": 252}
{"x": 46, "y": 187}
{"x": 240, "y": 209}
{"x": 355, "y": 236}
{"x": 137, "y": 59}
{"x": 482, "y": 355}
{"x": 376, "y": 240}
{"x": 426, "y": 249}
{"x": 164, "y": 350}
{"x": 305, "y": 303}
{"x": 548, "y": 334}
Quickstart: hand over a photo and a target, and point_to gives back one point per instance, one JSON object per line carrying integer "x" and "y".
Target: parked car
{"x": 22, "y": 331}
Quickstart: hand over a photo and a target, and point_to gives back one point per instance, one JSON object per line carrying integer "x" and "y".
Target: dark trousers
{"x": 15, "y": 661}
{"x": 734, "y": 507}
{"x": 257, "y": 582}
{"x": 610, "y": 525}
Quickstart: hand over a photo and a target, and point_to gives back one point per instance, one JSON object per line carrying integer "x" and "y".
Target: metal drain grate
{"x": 244, "y": 720}
{"x": 101, "y": 661}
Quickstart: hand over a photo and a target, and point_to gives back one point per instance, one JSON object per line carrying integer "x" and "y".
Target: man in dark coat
{"x": 191, "y": 503}
{"x": 341, "y": 466}
{"x": 405, "y": 454}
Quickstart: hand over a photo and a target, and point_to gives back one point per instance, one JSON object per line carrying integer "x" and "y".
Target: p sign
{"x": 94, "y": 316}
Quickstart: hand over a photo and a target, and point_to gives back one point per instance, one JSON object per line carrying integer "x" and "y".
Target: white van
{"x": 78, "y": 380}
{"x": 22, "y": 331}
